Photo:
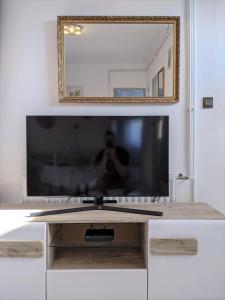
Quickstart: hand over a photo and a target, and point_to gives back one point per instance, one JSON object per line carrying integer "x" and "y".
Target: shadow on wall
{"x": 14, "y": 189}
{"x": 50, "y": 31}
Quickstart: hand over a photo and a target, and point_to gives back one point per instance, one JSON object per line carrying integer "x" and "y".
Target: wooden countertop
{"x": 186, "y": 211}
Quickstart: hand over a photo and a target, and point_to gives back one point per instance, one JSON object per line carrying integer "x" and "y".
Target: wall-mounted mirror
{"x": 118, "y": 59}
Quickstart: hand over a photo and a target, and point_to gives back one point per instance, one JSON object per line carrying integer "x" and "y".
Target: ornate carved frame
{"x": 175, "y": 21}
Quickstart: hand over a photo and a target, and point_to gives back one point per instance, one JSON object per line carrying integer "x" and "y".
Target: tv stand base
{"x": 99, "y": 204}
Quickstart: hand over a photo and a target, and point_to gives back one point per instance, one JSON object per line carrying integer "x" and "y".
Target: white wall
{"x": 127, "y": 79}
{"x": 210, "y": 81}
{"x": 28, "y": 85}
{"x": 93, "y": 78}
{"x": 98, "y": 80}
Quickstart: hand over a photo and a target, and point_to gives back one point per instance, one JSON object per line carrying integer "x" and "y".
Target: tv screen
{"x": 97, "y": 155}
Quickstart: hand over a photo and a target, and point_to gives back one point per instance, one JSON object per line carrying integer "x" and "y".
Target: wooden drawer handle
{"x": 173, "y": 246}
{"x": 24, "y": 249}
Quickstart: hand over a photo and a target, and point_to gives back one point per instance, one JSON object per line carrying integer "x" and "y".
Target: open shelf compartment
{"x": 67, "y": 248}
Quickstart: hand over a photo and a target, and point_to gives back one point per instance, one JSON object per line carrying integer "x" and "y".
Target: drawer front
{"x": 20, "y": 248}
{"x": 172, "y": 246}
{"x": 186, "y": 260}
{"x": 97, "y": 284}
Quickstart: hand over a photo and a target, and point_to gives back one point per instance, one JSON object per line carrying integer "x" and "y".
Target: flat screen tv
{"x": 97, "y": 155}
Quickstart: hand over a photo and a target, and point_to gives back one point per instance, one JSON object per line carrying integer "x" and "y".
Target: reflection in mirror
{"x": 120, "y": 60}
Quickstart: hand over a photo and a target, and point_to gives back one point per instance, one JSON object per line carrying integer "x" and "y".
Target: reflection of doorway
{"x": 161, "y": 79}
{"x": 158, "y": 84}
{"x": 155, "y": 86}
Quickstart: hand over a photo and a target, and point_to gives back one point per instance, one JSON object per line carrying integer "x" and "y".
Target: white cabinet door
{"x": 97, "y": 284}
{"x": 188, "y": 277}
{"x": 22, "y": 278}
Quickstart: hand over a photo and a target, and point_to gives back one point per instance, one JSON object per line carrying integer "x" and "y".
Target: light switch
{"x": 207, "y": 102}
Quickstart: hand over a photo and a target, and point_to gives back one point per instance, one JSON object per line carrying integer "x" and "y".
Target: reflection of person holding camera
{"x": 114, "y": 162}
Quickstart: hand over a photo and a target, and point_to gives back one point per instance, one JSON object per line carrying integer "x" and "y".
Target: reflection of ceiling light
{"x": 73, "y": 29}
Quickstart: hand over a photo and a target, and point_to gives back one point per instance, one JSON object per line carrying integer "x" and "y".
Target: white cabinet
{"x": 126, "y": 271}
{"x": 188, "y": 277}
{"x": 22, "y": 278}
{"x": 97, "y": 284}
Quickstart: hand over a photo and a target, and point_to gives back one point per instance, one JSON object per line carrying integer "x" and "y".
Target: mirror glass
{"x": 119, "y": 60}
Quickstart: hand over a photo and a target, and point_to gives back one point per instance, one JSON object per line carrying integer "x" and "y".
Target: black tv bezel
{"x": 91, "y": 197}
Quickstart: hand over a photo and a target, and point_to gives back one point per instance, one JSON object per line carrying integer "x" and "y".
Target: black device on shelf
{"x": 99, "y": 235}
{"x": 88, "y": 156}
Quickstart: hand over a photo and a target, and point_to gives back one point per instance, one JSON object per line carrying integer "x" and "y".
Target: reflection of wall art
{"x": 169, "y": 57}
{"x": 75, "y": 91}
{"x": 161, "y": 80}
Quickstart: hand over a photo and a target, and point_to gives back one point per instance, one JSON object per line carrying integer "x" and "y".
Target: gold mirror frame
{"x": 63, "y": 20}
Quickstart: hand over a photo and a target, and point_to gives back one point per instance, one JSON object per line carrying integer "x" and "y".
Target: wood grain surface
{"x": 23, "y": 249}
{"x": 173, "y": 246}
{"x": 190, "y": 211}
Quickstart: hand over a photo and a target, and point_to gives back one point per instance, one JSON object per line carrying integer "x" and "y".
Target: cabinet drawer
{"x": 22, "y": 261}
{"x": 187, "y": 259}
{"x": 97, "y": 284}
